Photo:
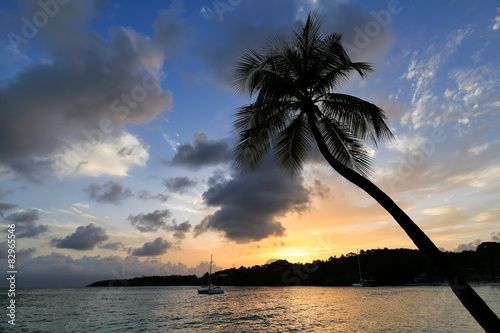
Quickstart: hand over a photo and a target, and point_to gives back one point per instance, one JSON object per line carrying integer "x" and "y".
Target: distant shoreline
{"x": 156, "y": 281}
{"x": 385, "y": 267}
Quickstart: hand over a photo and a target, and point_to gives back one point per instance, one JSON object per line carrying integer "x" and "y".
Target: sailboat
{"x": 362, "y": 282}
{"x": 210, "y": 289}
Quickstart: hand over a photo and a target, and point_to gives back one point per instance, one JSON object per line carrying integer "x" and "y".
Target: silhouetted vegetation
{"x": 171, "y": 280}
{"x": 388, "y": 267}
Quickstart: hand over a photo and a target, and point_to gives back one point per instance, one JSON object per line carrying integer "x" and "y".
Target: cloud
{"x": 59, "y": 270}
{"x": 150, "y": 221}
{"x": 250, "y": 203}
{"x": 146, "y": 195}
{"x": 150, "y": 249}
{"x": 179, "y": 184}
{"x": 202, "y": 152}
{"x": 111, "y": 192}
{"x": 474, "y": 90}
{"x": 116, "y": 246}
{"x": 488, "y": 215}
{"x": 436, "y": 218}
{"x": 24, "y": 254}
{"x": 251, "y": 26}
{"x": 496, "y": 26}
{"x": 5, "y": 207}
{"x": 82, "y": 205}
{"x": 495, "y": 237}
{"x": 171, "y": 29}
{"x": 81, "y": 98}
{"x": 180, "y": 230}
{"x": 21, "y": 254}
{"x": 27, "y": 216}
{"x": 320, "y": 190}
{"x": 111, "y": 155}
{"x": 84, "y": 238}
{"x": 426, "y": 168}
{"x": 25, "y": 226}
{"x": 423, "y": 73}
{"x": 468, "y": 247}
{"x": 30, "y": 230}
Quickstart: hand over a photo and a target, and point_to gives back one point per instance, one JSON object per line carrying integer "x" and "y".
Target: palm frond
{"x": 344, "y": 146}
{"x": 309, "y": 36}
{"x": 271, "y": 76}
{"x": 332, "y": 77}
{"x": 256, "y": 114}
{"x": 289, "y": 74}
{"x": 256, "y": 128}
{"x": 364, "y": 119}
{"x": 294, "y": 144}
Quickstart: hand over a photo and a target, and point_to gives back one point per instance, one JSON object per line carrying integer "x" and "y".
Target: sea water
{"x": 245, "y": 309}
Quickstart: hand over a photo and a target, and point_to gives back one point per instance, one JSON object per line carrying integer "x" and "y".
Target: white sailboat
{"x": 362, "y": 282}
{"x": 210, "y": 289}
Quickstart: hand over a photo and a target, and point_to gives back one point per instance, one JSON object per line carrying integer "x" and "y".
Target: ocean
{"x": 245, "y": 309}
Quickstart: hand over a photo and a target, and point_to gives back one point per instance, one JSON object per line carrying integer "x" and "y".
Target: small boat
{"x": 362, "y": 282}
{"x": 210, "y": 289}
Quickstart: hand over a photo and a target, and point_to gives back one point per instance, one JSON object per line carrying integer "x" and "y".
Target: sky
{"x": 116, "y": 136}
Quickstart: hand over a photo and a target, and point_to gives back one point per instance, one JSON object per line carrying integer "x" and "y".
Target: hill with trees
{"x": 389, "y": 267}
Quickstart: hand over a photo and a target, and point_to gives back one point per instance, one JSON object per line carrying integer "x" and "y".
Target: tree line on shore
{"x": 388, "y": 267}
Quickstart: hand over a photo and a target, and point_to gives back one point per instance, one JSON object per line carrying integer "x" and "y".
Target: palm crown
{"x": 297, "y": 109}
{"x": 294, "y": 79}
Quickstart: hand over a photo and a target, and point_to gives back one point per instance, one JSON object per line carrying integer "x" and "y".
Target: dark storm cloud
{"x": 146, "y": 195}
{"x": 250, "y": 203}
{"x": 22, "y": 255}
{"x": 252, "y": 22}
{"x": 111, "y": 192}
{"x": 84, "y": 238}
{"x": 27, "y": 216}
{"x": 117, "y": 246}
{"x": 25, "y": 223}
{"x": 89, "y": 88}
{"x": 366, "y": 33}
{"x": 26, "y": 253}
{"x": 150, "y": 221}
{"x": 171, "y": 28}
{"x": 5, "y": 207}
{"x": 155, "y": 248}
{"x": 30, "y": 230}
{"x": 179, "y": 184}
{"x": 202, "y": 152}
{"x": 180, "y": 230}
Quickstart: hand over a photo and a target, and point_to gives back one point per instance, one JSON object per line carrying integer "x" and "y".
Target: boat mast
{"x": 210, "y": 270}
{"x": 359, "y": 266}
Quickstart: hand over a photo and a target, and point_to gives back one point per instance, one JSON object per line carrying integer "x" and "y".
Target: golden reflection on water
{"x": 382, "y": 309}
{"x": 249, "y": 309}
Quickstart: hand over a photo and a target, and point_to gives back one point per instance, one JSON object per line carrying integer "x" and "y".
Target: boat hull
{"x": 365, "y": 283}
{"x": 210, "y": 291}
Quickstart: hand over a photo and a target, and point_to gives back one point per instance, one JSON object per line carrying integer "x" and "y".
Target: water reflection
{"x": 249, "y": 309}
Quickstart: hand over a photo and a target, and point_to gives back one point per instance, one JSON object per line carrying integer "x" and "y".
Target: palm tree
{"x": 297, "y": 109}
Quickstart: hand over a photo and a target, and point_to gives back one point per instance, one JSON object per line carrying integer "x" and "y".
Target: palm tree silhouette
{"x": 297, "y": 109}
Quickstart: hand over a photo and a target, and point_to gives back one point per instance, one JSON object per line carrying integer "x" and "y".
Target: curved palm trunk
{"x": 469, "y": 298}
